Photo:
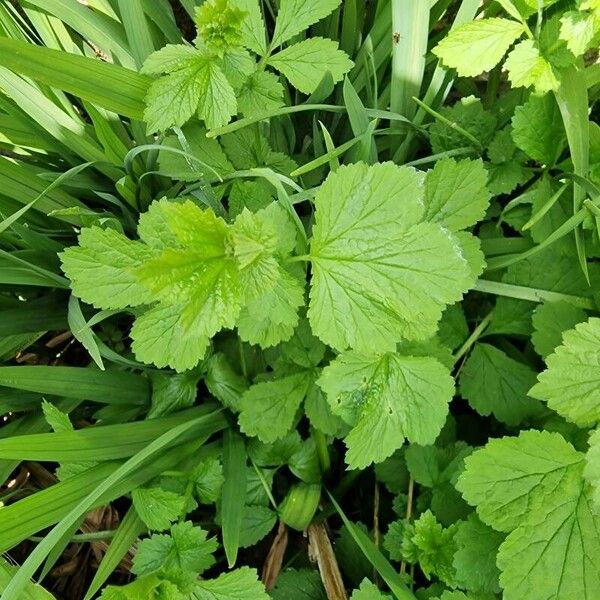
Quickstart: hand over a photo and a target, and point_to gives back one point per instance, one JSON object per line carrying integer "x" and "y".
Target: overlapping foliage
{"x": 258, "y": 254}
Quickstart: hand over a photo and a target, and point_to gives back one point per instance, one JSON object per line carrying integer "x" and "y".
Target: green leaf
{"x": 301, "y": 584}
{"x": 171, "y": 392}
{"x": 426, "y": 543}
{"x": 223, "y": 382}
{"x": 241, "y": 584}
{"x": 494, "y": 383}
{"x": 478, "y": 46}
{"x": 470, "y": 115}
{"x": 208, "y": 152}
{"x": 295, "y": 16}
{"x": 305, "y": 64}
{"x": 368, "y": 591}
{"x": 257, "y": 522}
{"x": 268, "y": 409}
{"x": 56, "y": 418}
{"x": 164, "y": 336}
{"x": 380, "y": 272}
{"x": 272, "y": 317}
{"x": 475, "y": 557}
{"x": 455, "y": 193}
{"x": 528, "y": 68}
{"x": 258, "y": 240}
{"x": 186, "y": 549}
{"x": 570, "y": 383}
{"x": 233, "y": 497}
{"x": 579, "y": 30}
{"x": 261, "y": 92}
{"x": 550, "y": 320}
{"x": 538, "y": 130}
{"x": 156, "y": 507}
{"x": 194, "y": 279}
{"x": 101, "y": 269}
{"x": 386, "y": 398}
{"x": 194, "y": 83}
{"x": 253, "y": 29}
{"x": 208, "y": 480}
{"x": 531, "y": 486}
{"x": 592, "y": 466}
{"x": 514, "y": 478}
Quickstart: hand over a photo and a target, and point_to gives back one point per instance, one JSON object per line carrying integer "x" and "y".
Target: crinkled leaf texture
{"x": 191, "y": 272}
{"x": 381, "y": 271}
{"x": 478, "y": 46}
{"x": 194, "y": 82}
{"x": 571, "y": 383}
{"x": 386, "y": 398}
{"x": 531, "y": 487}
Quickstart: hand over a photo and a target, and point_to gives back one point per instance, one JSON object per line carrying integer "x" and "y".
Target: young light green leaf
{"x": 479, "y": 45}
{"x": 272, "y": 317}
{"x": 571, "y": 382}
{"x": 426, "y": 543}
{"x": 295, "y": 16}
{"x": 494, "y": 383}
{"x": 164, "y": 337}
{"x": 258, "y": 240}
{"x": 455, "y": 193}
{"x": 386, "y": 398}
{"x": 579, "y": 29}
{"x": 305, "y": 64}
{"x": 527, "y": 67}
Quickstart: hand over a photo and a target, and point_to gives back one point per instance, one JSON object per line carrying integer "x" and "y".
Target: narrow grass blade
{"x": 32, "y": 591}
{"x": 82, "y": 332}
{"x": 373, "y": 554}
{"x": 572, "y": 99}
{"x": 107, "y": 442}
{"x": 6, "y": 223}
{"x": 115, "y": 88}
{"x": 121, "y": 475}
{"x": 91, "y": 25}
{"x": 233, "y": 498}
{"x": 108, "y": 387}
{"x": 136, "y": 27}
{"x": 128, "y": 531}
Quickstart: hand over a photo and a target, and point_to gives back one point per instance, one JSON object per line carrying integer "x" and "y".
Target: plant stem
{"x": 408, "y": 516}
{"x": 475, "y": 335}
